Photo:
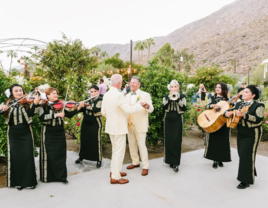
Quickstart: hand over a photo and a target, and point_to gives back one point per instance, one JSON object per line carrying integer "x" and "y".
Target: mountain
{"x": 238, "y": 30}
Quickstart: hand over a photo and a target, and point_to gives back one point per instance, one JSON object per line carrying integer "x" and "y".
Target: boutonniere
{"x": 138, "y": 98}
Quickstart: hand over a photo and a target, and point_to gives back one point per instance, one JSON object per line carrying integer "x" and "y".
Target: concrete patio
{"x": 197, "y": 184}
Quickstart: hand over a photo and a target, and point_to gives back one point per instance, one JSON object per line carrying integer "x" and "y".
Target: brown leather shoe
{"x": 133, "y": 166}
{"x": 121, "y": 173}
{"x": 145, "y": 172}
{"x": 120, "y": 181}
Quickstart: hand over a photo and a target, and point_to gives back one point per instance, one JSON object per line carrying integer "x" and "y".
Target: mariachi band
{"x": 19, "y": 110}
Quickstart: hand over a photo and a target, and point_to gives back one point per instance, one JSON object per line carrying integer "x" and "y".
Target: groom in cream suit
{"x": 138, "y": 125}
{"x": 115, "y": 108}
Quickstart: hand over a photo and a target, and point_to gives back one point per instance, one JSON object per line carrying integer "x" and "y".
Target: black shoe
{"x": 19, "y": 188}
{"x": 66, "y": 182}
{"x": 98, "y": 164}
{"x": 242, "y": 185}
{"x": 221, "y": 164}
{"x": 78, "y": 160}
{"x": 215, "y": 164}
{"x": 171, "y": 166}
{"x": 176, "y": 168}
{"x": 33, "y": 187}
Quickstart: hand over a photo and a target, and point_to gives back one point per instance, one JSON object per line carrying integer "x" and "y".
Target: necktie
{"x": 133, "y": 93}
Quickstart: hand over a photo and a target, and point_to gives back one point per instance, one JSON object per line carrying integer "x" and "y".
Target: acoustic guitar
{"x": 212, "y": 120}
{"x": 234, "y": 120}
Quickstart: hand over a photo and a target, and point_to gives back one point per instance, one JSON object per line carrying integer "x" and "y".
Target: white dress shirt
{"x": 134, "y": 97}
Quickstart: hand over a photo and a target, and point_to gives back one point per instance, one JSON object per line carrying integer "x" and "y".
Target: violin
{"x": 69, "y": 104}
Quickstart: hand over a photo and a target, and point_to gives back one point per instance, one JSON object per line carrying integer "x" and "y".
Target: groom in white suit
{"x": 115, "y": 108}
{"x": 138, "y": 124}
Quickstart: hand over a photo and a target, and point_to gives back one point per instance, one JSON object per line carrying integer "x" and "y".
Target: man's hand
{"x": 145, "y": 105}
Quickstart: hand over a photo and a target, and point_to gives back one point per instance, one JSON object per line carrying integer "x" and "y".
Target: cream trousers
{"x": 118, "y": 153}
{"x": 136, "y": 142}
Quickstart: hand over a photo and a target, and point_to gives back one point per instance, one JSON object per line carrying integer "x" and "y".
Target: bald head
{"x": 116, "y": 81}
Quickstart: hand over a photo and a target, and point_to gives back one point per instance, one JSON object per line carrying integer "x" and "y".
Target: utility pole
{"x": 130, "y": 63}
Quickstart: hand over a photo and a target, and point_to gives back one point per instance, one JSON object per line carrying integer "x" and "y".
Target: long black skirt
{"x": 173, "y": 130}
{"x": 90, "y": 141}
{"x": 247, "y": 143}
{"x": 21, "y": 167}
{"x": 218, "y": 145}
{"x": 53, "y": 154}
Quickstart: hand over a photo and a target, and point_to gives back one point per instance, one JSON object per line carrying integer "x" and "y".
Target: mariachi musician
{"x": 249, "y": 133}
{"x": 20, "y": 164}
{"x": 53, "y": 141}
{"x": 218, "y": 143}
{"x": 90, "y": 145}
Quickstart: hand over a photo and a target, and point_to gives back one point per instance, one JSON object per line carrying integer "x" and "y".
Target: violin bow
{"x": 65, "y": 98}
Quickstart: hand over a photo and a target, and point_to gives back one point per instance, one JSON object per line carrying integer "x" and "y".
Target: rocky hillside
{"x": 238, "y": 30}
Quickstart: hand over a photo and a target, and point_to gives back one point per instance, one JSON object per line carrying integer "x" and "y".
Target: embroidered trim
{"x": 99, "y": 104}
{"x": 260, "y": 111}
{"x": 182, "y": 102}
{"x": 251, "y": 118}
{"x": 40, "y": 111}
{"x": 9, "y": 161}
{"x": 165, "y": 101}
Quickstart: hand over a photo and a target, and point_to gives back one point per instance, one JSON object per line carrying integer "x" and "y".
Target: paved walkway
{"x": 196, "y": 185}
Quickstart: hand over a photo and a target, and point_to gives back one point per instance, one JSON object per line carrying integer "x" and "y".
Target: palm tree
{"x": 149, "y": 43}
{"x": 95, "y": 50}
{"x": 35, "y": 56}
{"x": 104, "y": 54}
{"x": 11, "y": 54}
{"x": 137, "y": 48}
{"x": 143, "y": 45}
{"x": 28, "y": 62}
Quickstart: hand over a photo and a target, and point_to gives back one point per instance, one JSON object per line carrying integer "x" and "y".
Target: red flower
{"x": 78, "y": 124}
{"x": 266, "y": 122}
{"x": 195, "y": 106}
{"x": 198, "y": 109}
{"x": 78, "y": 119}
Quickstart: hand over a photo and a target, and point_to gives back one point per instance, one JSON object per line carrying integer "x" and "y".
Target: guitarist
{"x": 249, "y": 133}
{"x": 218, "y": 143}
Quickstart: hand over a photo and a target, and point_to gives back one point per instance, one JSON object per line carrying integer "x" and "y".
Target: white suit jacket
{"x": 140, "y": 118}
{"x": 115, "y": 108}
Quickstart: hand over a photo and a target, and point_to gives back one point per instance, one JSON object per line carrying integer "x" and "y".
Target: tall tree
{"x": 11, "y": 54}
{"x": 143, "y": 45}
{"x": 68, "y": 62}
{"x": 149, "y": 43}
{"x": 104, "y": 54}
{"x": 35, "y": 55}
{"x": 137, "y": 48}
{"x": 95, "y": 50}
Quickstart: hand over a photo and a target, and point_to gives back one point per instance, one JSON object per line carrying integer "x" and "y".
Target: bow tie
{"x": 133, "y": 93}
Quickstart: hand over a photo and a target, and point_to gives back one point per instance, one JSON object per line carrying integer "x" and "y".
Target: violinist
{"x": 21, "y": 166}
{"x": 249, "y": 133}
{"x": 218, "y": 143}
{"x": 53, "y": 141}
{"x": 90, "y": 145}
